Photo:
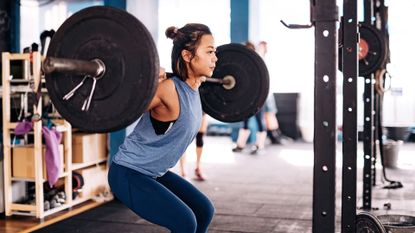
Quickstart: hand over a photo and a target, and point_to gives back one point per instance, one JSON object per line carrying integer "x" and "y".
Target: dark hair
{"x": 188, "y": 38}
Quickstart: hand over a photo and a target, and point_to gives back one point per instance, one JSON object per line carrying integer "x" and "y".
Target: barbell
{"x": 102, "y": 70}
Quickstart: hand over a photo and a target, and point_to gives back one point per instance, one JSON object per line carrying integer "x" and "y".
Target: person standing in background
{"x": 270, "y": 109}
{"x": 199, "y": 151}
{"x": 244, "y": 132}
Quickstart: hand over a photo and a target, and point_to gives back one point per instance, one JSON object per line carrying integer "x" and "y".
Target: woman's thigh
{"x": 151, "y": 200}
{"x": 201, "y": 206}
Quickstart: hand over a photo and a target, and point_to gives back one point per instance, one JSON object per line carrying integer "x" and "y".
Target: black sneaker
{"x": 254, "y": 150}
{"x": 237, "y": 149}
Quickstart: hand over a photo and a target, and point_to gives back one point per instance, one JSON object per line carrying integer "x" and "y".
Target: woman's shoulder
{"x": 167, "y": 84}
{"x": 167, "y": 88}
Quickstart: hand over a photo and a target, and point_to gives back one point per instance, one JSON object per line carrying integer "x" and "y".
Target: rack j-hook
{"x": 296, "y": 26}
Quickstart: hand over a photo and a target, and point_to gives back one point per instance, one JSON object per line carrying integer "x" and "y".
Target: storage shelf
{"x": 8, "y": 90}
{"x": 77, "y": 166}
{"x": 59, "y": 128}
{"x": 30, "y": 210}
{"x": 18, "y": 88}
{"x": 64, "y": 174}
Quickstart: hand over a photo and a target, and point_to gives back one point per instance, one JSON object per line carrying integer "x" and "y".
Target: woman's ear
{"x": 186, "y": 55}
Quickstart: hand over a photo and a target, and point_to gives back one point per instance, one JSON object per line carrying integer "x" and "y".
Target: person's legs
{"x": 151, "y": 200}
{"x": 182, "y": 163}
{"x": 201, "y": 206}
{"x": 273, "y": 130}
{"x": 199, "y": 150}
{"x": 260, "y": 135}
{"x": 243, "y": 135}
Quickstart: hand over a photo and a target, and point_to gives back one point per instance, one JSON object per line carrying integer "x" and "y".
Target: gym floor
{"x": 268, "y": 192}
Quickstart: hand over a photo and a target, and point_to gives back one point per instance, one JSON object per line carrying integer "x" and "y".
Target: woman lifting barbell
{"x": 139, "y": 175}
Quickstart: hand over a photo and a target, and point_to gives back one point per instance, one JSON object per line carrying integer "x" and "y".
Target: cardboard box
{"x": 23, "y": 161}
{"x": 88, "y": 147}
{"x": 95, "y": 180}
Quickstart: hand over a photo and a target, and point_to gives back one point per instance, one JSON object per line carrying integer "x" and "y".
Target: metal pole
{"x": 324, "y": 14}
{"x": 368, "y": 123}
{"x": 350, "y": 75}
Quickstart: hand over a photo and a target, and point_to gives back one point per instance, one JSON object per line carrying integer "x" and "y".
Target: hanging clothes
{"x": 52, "y": 156}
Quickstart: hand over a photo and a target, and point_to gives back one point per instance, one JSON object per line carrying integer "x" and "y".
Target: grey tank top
{"x": 153, "y": 155}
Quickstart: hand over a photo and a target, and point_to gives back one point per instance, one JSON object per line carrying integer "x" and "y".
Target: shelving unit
{"x": 10, "y": 88}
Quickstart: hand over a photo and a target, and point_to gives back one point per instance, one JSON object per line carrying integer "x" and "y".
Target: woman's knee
{"x": 186, "y": 224}
{"x": 205, "y": 216}
{"x": 209, "y": 211}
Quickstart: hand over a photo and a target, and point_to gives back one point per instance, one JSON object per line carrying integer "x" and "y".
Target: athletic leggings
{"x": 258, "y": 118}
{"x": 169, "y": 200}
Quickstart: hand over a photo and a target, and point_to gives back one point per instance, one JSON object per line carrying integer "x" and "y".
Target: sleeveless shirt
{"x": 153, "y": 155}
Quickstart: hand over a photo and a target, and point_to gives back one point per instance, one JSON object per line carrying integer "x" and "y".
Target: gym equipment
{"x": 117, "y": 96}
{"x": 102, "y": 71}
{"x": 368, "y": 223}
{"x": 246, "y": 88}
{"x": 372, "y": 49}
{"x": 395, "y": 223}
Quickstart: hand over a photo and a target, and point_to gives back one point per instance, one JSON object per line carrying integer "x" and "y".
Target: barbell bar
{"x": 96, "y": 69}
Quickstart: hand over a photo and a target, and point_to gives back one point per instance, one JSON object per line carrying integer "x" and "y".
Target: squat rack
{"x": 324, "y": 15}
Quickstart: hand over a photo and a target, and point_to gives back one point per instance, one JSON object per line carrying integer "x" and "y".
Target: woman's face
{"x": 205, "y": 58}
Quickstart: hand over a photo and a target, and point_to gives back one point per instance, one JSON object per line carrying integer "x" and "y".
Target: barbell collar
{"x": 94, "y": 68}
{"x": 213, "y": 80}
{"x": 228, "y": 82}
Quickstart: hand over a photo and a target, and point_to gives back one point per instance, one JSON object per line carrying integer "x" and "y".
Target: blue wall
{"x": 122, "y": 4}
{"x": 239, "y": 20}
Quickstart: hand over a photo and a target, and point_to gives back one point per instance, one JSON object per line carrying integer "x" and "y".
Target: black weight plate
{"x": 376, "y": 49}
{"x": 126, "y": 47}
{"x": 251, "y": 88}
{"x": 372, "y": 47}
{"x": 368, "y": 223}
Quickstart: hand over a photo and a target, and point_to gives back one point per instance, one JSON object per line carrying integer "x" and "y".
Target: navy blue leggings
{"x": 168, "y": 201}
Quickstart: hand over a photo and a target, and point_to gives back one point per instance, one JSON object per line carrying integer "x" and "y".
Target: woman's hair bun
{"x": 171, "y": 32}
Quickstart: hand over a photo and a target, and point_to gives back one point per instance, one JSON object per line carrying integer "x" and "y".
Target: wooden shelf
{"x": 28, "y": 209}
{"x": 59, "y": 128}
{"x": 13, "y": 88}
{"x": 77, "y": 166}
{"x": 15, "y": 85}
{"x": 62, "y": 175}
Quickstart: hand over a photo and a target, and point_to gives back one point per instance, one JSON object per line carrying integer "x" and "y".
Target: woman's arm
{"x": 165, "y": 104}
{"x": 156, "y": 101}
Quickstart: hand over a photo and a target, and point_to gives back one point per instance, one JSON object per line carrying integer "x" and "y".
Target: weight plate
{"x": 372, "y": 50}
{"x": 128, "y": 51}
{"x": 368, "y": 223}
{"x": 251, "y": 85}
